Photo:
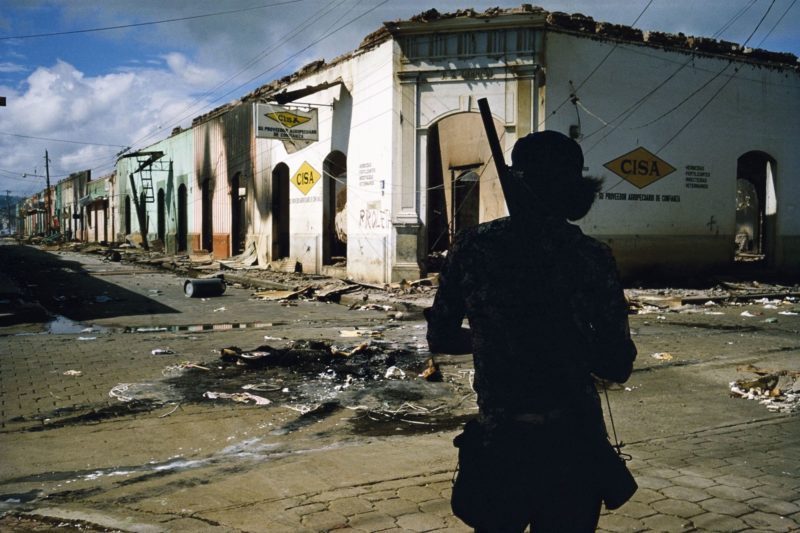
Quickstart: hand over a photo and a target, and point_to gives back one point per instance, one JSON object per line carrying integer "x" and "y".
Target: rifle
{"x": 503, "y": 171}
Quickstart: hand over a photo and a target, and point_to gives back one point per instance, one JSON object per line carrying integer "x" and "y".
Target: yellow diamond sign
{"x": 640, "y": 167}
{"x": 306, "y": 178}
{"x": 288, "y": 119}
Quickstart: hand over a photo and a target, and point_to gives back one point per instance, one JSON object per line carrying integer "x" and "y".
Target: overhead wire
{"x": 776, "y": 24}
{"x": 714, "y": 96}
{"x": 187, "y": 110}
{"x": 148, "y": 23}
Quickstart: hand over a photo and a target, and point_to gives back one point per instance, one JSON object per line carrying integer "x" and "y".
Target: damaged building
{"x": 367, "y": 166}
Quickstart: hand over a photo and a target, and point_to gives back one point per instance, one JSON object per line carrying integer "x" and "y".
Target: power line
{"x": 713, "y": 96}
{"x": 187, "y": 111}
{"x": 59, "y": 140}
{"x": 776, "y": 24}
{"x": 149, "y": 23}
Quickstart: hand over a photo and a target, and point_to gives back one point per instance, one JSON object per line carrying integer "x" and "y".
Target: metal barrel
{"x": 202, "y": 288}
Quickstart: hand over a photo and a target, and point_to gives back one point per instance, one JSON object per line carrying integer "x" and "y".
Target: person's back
{"x": 546, "y": 312}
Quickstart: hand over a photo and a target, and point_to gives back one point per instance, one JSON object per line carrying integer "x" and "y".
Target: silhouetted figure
{"x": 546, "y": 313}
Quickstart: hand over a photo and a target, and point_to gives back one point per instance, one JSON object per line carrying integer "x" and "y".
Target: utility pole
{"x": 8, "y": 209}
{"x": 48, "y": 222}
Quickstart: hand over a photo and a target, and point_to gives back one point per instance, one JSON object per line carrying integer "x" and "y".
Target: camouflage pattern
{"x": 546, "y": 311}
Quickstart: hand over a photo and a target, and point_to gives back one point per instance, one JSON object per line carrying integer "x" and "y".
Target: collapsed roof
{"x": 576, "y": 23}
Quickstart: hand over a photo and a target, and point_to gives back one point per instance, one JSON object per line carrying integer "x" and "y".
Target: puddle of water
{"x": 201, "y": 327}
{"x": 62, "y": 325}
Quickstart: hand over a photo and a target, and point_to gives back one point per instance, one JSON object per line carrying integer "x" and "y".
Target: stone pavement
{"x": 72, "y": 454}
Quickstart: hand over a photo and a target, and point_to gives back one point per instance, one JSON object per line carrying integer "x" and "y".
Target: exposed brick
{"x": 718, "y": 522}
{"x": 666, "y": 523}
{"x": 620, "y": 523}
{"x": 693, "y": 481}
{"x": 685, "y": 493}
{"x": 725, "y": 507}
{"x": 396, "y": 507}
{"x": 680, "y": 508}
{"x": 730, "y": 493}
{"x": 372, "y": 521}
{"x": 418, "y": 494}
{"x": 771, "y": 522}
{"x": 350, "y": 506}
{"x": 420, "y": 522}
{"x": 771, "y": 505}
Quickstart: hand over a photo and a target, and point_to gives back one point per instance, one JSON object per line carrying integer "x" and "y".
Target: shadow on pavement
{"x": 65, "y": 288}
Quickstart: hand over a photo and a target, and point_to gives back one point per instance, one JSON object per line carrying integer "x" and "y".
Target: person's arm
{"x": 445, "y": 333}
{"x": 613, "y": 350}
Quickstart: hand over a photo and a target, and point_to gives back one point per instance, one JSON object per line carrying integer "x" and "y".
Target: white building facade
{"x": 693, "y": 137}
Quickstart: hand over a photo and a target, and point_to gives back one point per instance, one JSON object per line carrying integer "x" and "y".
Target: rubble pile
{"x": 777, "y": 390}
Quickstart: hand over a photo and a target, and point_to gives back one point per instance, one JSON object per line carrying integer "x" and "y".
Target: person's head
{"x": 548, "y": 167}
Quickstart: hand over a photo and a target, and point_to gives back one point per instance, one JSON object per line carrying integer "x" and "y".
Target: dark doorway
{"x": 280, "y": 212}
{"x": 127, "y": 216}
{"x": 238, "y": 226}
{"x": 462, "y": 185}
{"x": 207, "y": 227}
{"x": 465, "y": 188}
{"x": 161, "y": 216}
{"x": 334, "y": 214}
{"x": 756, "y": 208}
{"x": 183, "y": 225}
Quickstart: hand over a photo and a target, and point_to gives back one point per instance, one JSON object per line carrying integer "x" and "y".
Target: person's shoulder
{"x": 486, "y": 232}
{"x": 591, "y": 247}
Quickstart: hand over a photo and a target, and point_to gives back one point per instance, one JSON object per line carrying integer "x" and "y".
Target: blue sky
{"x": 129, "y": 86}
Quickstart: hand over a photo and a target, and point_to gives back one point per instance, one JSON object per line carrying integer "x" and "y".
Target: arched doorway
{"x": 756, "y": 208}
{"x": 238, "y": 226}
{"x": 183, "y": 225}
{"x": 161, "y": 216}
{"x": 206, "y": 226}
{"x": 462, "y": 185}
{"x": 280, "y": 212}
{"x": 334, "y": 209}
{"x": 127, "y": 216}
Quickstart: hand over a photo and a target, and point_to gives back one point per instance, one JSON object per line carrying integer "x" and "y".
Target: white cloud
{"x": 60, "y": 102}
{"x": 191, "y": 73}
{"x": 8, "y": 67}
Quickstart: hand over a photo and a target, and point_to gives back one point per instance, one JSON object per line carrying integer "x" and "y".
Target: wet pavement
{"x": 319, "y": 418}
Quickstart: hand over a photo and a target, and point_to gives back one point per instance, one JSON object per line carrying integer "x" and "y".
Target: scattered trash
{"x": 394, "y": 373}
{"x": 747, "y": 313}
{"x": 241, "y": 397}
{"x": 174, "y": 370}
{"x": 349, "y": 353}
{"x": 219, "y": 309}
{"x": 777, "y": 390}
{"x": 432, "y": 371}
{"x": 278, "y": 295}
{"x": 788, "y": 313}
{"x": 203, "y": 288}
{"x": 76, "y": 373}
{"x": 662, "y": 356}
{"x": 87, "y": 338}
{"x": 144, "y": 392}
{"x": 162, "y": 351}
{"x": 357, "y": 333}
{"x": 373, "y": 307}
{"x": 772, "y": 320}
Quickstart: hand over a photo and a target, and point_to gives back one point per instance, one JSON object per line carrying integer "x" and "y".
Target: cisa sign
{"x": 285, "y": 124}
{"x": 640, "y": 167}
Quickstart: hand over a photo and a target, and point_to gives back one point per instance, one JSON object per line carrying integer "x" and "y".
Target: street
{"x": 140, "y": 409}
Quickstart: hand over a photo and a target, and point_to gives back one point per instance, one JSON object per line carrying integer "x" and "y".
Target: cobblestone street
{"x": 171, "y": 460}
